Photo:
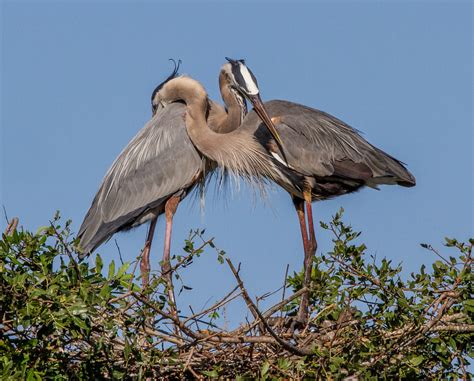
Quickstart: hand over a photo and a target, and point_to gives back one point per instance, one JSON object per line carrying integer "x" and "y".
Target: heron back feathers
{"x": 319, "y": 145}
{"x": 159, "y": 161}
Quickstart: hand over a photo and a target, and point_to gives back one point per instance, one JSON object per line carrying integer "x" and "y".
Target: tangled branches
{"x": 60, "y": 318}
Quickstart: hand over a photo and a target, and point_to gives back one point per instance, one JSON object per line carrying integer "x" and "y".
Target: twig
{"x": 12, "y": 225}
{"x": 330, "y": 307}
{"x": 245, "y": 295}
{"x": 193, "y": 372}
{"x": 132, "y": 277}
{"x": 289, "y": 347}
{"x": 171, "y": 317}
{"x": 436, "y": 252}
{"x": 190, "y": 356}
{"x": 224, "y": 300}
{"x": 5, "y": 214}
{"x": 123, "y": 296}
{"x": 68, "y": 252}
{"x": 119, "y": 251}
{"x": 284, "y": 286}
{"x": 272, "y": 310}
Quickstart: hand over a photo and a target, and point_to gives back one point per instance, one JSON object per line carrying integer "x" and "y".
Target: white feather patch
{"x": 251, "y": 86}
{"x": 278, "y": 157}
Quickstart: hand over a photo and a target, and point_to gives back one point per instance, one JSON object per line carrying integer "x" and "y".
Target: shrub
{"x": 61, "y": 319}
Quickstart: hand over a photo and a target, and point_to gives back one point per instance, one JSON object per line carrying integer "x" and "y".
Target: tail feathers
{"x": 407, "y": 183}
{"x": 96, "y": 234}
{"x": 376, "y": 170}
{"x": 392, "y": 171}
{"x": 89, "y": 241}
{"x": 95, "y": 231}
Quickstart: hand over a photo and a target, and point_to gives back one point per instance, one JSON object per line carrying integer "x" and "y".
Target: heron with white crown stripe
{"x": 318, "y": 157}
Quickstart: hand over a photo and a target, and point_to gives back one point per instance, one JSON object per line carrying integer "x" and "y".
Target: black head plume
{"x": 174, "y": 74}
{"x": 235, "y": 62}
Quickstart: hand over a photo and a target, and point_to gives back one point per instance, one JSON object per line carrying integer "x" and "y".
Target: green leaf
{"x": 121, "y": 271}
{"x": 105, "y": 292}
{"x": 469, "y": 305}
{"x": 211, "y": 373}
{"x": 41, "y": 230}
{"x": 127, "y": 350}
{"x": 417, "y": 360}
{"x": 98, "y": 264}
{"x": 77, "y": 309}
{"x": 265, "y": 368}
{"x": 111, "y": 270}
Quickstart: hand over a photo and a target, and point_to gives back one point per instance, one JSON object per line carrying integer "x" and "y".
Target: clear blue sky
{"x": 76, "y": 80}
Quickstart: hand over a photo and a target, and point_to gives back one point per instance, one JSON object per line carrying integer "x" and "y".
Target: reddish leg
{"x": 299, "y": 206}
{"x": 303, "y": 310}
{"x": 309, "y": 244}
{"x": 170, "y": 209}
{"x": 145, "y": 262}
{"x": 313, "y": 245}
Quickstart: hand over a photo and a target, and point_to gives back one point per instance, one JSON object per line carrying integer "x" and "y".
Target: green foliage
{"x": 390, "y": 327}
{"x": 60, "y": 319}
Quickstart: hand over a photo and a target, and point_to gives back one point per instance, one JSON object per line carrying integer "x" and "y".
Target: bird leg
{"x": 170, "y": 209}
{"x": 313, "y": 245}
{"x": 299, "y": 206}
{"x": 303, "y": 309}
{"x": 309, "y": 244}
{"x": 145, "y": 261}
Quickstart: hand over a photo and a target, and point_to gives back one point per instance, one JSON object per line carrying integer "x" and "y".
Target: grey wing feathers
{"x": 323, "y": 146}
{"x": 158, "y": 162}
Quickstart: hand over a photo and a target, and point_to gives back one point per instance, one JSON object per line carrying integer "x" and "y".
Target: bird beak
{"x": 262, "y": 113}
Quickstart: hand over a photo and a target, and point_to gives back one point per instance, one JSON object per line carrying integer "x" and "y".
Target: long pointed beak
{"x": 262, "y": 113}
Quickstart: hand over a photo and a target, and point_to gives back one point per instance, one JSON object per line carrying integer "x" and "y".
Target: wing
{"x": 159, "y": 161}
{"x": 320, "y": 145}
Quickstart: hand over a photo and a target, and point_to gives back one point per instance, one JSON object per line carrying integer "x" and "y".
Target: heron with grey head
{"x": 322, "y": 157}
{"x": 166, "y": 160}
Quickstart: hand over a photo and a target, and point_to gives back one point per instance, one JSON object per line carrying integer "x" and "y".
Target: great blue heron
{"x": 160, "y": 165}
{"x": 323, "y": 157}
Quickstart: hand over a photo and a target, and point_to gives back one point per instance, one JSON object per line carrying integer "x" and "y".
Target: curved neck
{"x": 236, "y": 107}
{"x": 236, "y": 150}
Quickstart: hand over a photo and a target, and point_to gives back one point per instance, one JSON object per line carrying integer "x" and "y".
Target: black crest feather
{"x": 174, "y": 74}
{"x": 234, "y": 62}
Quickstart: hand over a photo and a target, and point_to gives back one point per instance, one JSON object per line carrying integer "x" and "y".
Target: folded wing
{"x": 157, "y": 163}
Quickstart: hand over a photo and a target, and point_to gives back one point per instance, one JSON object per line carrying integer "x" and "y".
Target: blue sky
{"x": 76, "y": 80}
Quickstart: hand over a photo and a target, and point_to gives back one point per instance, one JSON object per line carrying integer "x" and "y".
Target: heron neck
{"x": 210, "y": 143}
{"x": 235, "y": 151}
{"x": 236, "y": 107}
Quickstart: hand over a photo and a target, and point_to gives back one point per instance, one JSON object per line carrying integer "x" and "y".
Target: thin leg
{"x": 303, "y": 310}
{"x": 299, "y": 206}
{"x": 145, "y": 262}
{"x": 313, "y": 245}
{"x": 309, "y": 243}
{"x": 308, "y": 259}
{"x": 170, "y": 209}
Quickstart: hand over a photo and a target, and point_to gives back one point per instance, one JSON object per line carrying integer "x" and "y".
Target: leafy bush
{"x": 418, "y": 328}
{"x": 61, "y": 319}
